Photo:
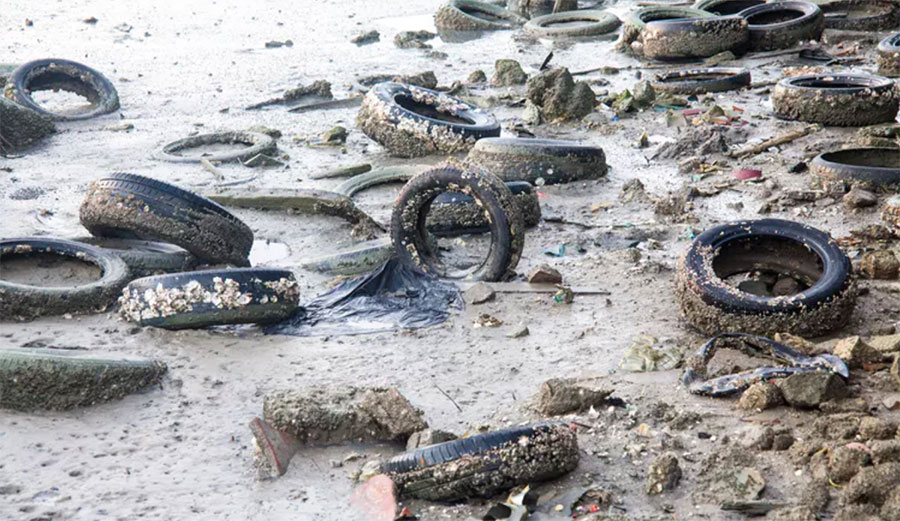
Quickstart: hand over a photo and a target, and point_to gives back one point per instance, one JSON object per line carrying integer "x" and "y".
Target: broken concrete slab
{"x": 559, "y": 396}
{"x": 808, "y": 390}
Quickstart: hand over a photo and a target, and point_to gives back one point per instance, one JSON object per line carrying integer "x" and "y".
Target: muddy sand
{"x": 184, "y": 450}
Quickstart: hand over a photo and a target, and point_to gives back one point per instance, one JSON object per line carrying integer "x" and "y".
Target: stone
{"x": 633, "y": 191}
{"x": 738, "y": 484}
{"x": 799, "y": 513}
{"x": 891, "y": 507}
{"x": 786, "y": 286}
{"x": 477, "y": 76}
{"x": 872, "y": 485}
{"x": 559, "y": 396}
{"x": 531, "y": 115}
{"x": 799, "y": 343}
{"x": 873, "y": 428}
{"x": 845, "y": 462}
{"x": 413, "y": 39}
{"x": 885, "y": 343}
{"x": 758, "y": 438}
{"x": 782, "y": 441}
{"x": 841, "y": 426}
{"x": 642, "y": 94}
{"x": 808, "y": 390}
{"x": 21, "y": 127}
{"x": 863, "y": 512}
{"x": 518, "y": 331}
{"x": 545, "y": 274}
{"x": 336, "y": 135}
{"x": 508, "y": 73}
{"x": 881, "y": 264}
{"x": 761, "y": 396}
{"x": 559, "y": 96}
{"x": 428, "y": 437}
{"x": 859, "y": 198}
{"x": 815, "y": 496}
{"x": 479, "y": 293}
{"x": 533, "y": 8}
{"x": 269, "y": 131}
{"x": 885, "y": 450}
{"x": 425, "y": 79}
{"x": 664, "y": 474}
{"x": 855, "y": 352}
{"x": 366, "y": 37}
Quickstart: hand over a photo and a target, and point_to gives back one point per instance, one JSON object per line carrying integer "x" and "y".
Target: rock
{"x": 855, "y": 352}
{"x": 425, "y": 79}
{"x": 737, "y": 484}
{"x": 21, "y": 127}
{"x": 544, "y": 274}
{"x": 689, "y": 165}
{"x": 269, "y": 131}
{"x": 320, "y": 88}
{"x": 532, "y": 114}
{"x": 413, "y": 39}
{"x": 815, "y": 496}
{"x": 891, "y": 507}
{"x": 872, "y": 428}
{"x": 479, "y": 293}
{"x": 428, "y": 437}
{"x": 559, "y": 96}
{"x": 881, "y": 264}
{"x": 808, "y": 390}
{"x": 633, "y": 191}
{"x": 642, "y": 94}
{"x": 477, "y": 76}
{"x": 335, "y": 136}
{"x": 799, "y": 343}
{"x": 758, "y": 438}
{"x": 518, "y": 331}
{"x": 845, "y": 405}
{"x": 366, "y": 37}
{"x": 857, "y": 513}
{"x": 885, "y": 343}
{"x": 533, "y": 8}
{"x": 786, "y": 286}
{"x": 664, "y": 474}
{"x": 841, "y": 426}
{"x": 845, "y": 462}
{"x": 885, "y": 450}
{"x": 872, "y": 485}
{"x": 782, "y": 441}
{"x": 761, "y": 396}
{"x": 859, "y": 198}
{"x": 508, "y": 73}
{"x": 559, "y": 396}
{"x": 800, "y": 513}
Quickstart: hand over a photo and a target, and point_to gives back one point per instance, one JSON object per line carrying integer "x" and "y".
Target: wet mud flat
{"x": 184, "y": 450}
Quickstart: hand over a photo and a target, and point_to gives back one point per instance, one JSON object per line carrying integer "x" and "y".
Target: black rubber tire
{"x": 130, "y": 206}
{"x": 58, "y": 379}
{"x": 197, "y": 299}
{"x": 23, "y": 301}
{"x": 861, "y": 99}
{"x": 405, "y": 133}
{"x": 408, "y": 221}
{"x": 694, "y": 38}
{"x": 455, "y": 214}
{"x": 714, "y": 306}
{"x": 146, "y": 258}
{"x": 700, "y": 81}
{"x": 634, "y": 23}
{"x": 538, "y": 161}
{"x": 361, "y": 258}
{"x": 361, "y": 182}
{"x": 601, "y": 23}
{"x": 54, "y": 73}
{"x": 485, "y": 464}
{"x": 452, "y": 16}
{"x": 888, "y": 18}
{"x": 726, "y": 7}
{"x": 868, "y": 167}
{"x": 769, "y": 36}
{"x": 889, "y": 56}
{"x": 258, "y": 144}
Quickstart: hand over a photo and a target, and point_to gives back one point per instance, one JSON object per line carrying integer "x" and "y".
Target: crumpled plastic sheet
{"x": 391, "y": 297}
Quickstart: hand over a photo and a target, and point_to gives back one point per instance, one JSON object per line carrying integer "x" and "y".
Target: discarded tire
{"x": 889, "y": 56}
{"x": 196, "y": 299}
{"x": 839, "y": 100}
{"x": 408, "y": 222}
{"x": 412, "y": 121}
{"x": 788, "y": 249}
{"x": 861, "y": 15}
{"x": 890, "y": 213}
{"x": 361, "y": 258}
{"x": 57, "y": 74}
{"x": 21, "y": 127}
{"x": 726, "y": 7}
{"x": 694, "y": 38}
{"x": 868, "y": 167}
{"x": 257, "y": 143}
{"x": 135, "y": 207}
{"x": 780, "y": 25}
{"x": 457, "y": 214}
{"x": 636, "y": 21}
{"x": 146, "y": 258}
{"x": 698, "y": 81}
{"x": 534, "y": 8}
{"x": 24, "y": 301}
{"x": 470, "y": 15}
{"x": 558, "y": 25}
{"x": 361, "y": 182}
{"x": 60, "y": 379}
{"x": 538, "y": 161}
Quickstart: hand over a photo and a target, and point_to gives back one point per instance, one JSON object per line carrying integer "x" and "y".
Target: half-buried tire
{"x": 538, "y": 161}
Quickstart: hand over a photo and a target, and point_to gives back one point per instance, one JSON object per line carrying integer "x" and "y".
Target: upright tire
{"x": 779, "y": 25}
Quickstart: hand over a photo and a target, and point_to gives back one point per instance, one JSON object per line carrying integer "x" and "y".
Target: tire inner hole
{"x": 815, "y": 83}
{"x": 571, "y": 22}
{"x": 776, "y": 17}
{"x": 768, "y": 266}
{"x": 707, "y": 76}
{"x": 733, "y": 7}
{"x": 57, "y": 92}
{"x": 47, "y": 270}
{"x": 870, "y": 157}
{"x": 457, "y": 234}
{"x": 430, "y": 111}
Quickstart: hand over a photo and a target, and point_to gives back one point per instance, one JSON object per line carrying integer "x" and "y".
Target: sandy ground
{"x": 184, "y": 451}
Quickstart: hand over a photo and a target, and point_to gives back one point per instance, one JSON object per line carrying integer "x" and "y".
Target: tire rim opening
{"x": 767, "y": 266}
{"x": 457, "y": 239}
{"x": 57, "y": 92}
{"x": 867, "y": 157}
{"x": 836, "y": 83}
{"x": 430, "y": 111}
{"x": 42, "y": 269}
{"x": 733, "y": 7}
{"x": 774, "y": 17}
{"x": 570, "y": 22}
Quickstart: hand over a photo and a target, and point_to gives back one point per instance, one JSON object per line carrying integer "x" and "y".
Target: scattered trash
{"x": 366, "y": 38}
{"x": 647, "y": 353}
{"x": 663, "y": 475}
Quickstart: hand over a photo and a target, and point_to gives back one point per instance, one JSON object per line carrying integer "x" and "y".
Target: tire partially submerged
{"x": 24, "y": 301}
{"x": 257, "y": 143}
{"x": 146, "y": 258}
{"x": 58, "y": 379}
{"x": 196, "y": 299}
{"x": 699, "y": 81}
{"x": 559, "y": 25}
{"x": 58, "y": 74}
{"x": 789, "y": 249}
{"x": 694, "y": 38}
{"x": 779, "y": 25}
{"x": 861, "y": 15}
{"x": 471, "y": 15}
{"x": 457, "y": 214}
{"x": 889, "y": 56}
{"x": 868, "y": 167}
{"x": 538, "y": 161}
{"x": 135, "y": 207}
{"x": 844, "y": 100}
{"x": 412, "y": 121}
{"x": 485, "y": 464}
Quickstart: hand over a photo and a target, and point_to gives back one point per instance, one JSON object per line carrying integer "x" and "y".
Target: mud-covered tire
{"x": 889, "y": 56}
{"x": 534, "y": 8}
{"x": 457, "y": 214}
{"x": 886, "y": 19}
{"x": 868, "y": 167}
{"x": 599, "y": 23}
{"x": 726, "y": 7}
{"x": 411, "y": 238}
{"x": 713, "y": 306}
{"x": 634, "y": 23}
{"x": 454, "y": 16}
{"x": 257, "y": 143}
{"x": 58, "y": 379}
{"x": 399, "y": 117}
{"x": 700, "y": 81}
{"x": 59, "y": 74}
{"x": 694, "y": 38}
{"x": 130, "y": 206}
{"x": 24, "y": 301}
{"x": 360, "y": 258}
{"x": 146, "y": 258}
{"x": 538, "y": 161}
{"x": 196, "y": 299}
{"x": 807, "y": 22}
{"x": 844, "y": 100}
{"x": 485, "y": 464}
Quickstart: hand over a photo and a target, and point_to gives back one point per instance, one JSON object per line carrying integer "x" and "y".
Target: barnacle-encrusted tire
{"x": 889, "y": 56}
{"x": 726, "y": 7}
{"x": 547, "y": 26}
{"x": 57, "y": 74}
{"x": 59, "y": 379}
{"x": 485, "y": 464}
{"x": 23, "y": 301}
{"x": 694, "y": 38}
{"x": 412, "y": 121}
{"x": 458, "y": 214}
{"x": 538, "y": 161}
{"x": 457, "y": 15}
{"x": 867, "y": 167}
{"x": 257, "y": 143}
{"x": 411, "y": 238}
{"x": 130, "y": 206}
{"x": 887, "y": 17}
{"x": 714, "y": 306}
{"x": 698, "y": 81}
{"x": 846, "y": 100}
{"x": 145, "y": 258}
{"x": 195, "y": 299}
{"x": 636, "y": 21}
{"x": 780, "y": 25}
